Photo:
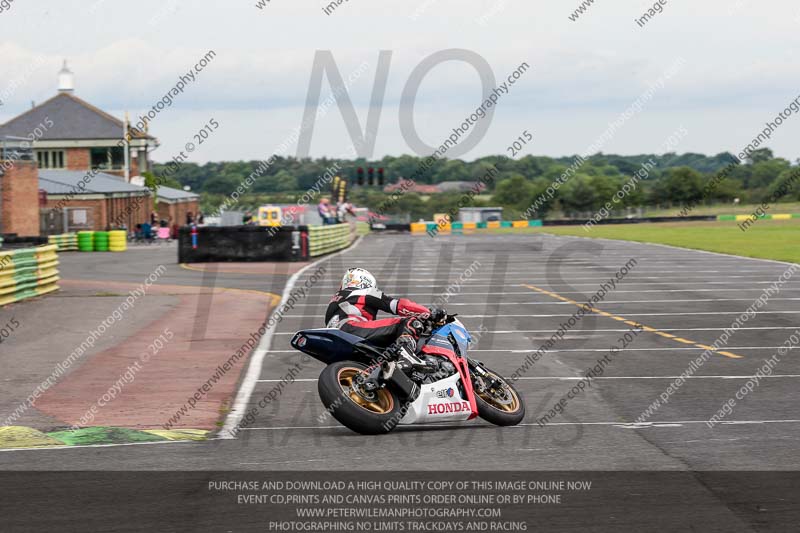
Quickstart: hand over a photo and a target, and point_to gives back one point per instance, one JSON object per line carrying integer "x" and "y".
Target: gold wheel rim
{"x": 383, "y": 403}
{"x": 511, "y": 407}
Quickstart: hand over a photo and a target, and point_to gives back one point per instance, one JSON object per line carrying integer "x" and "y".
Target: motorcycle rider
{"x": 354, "y": 307}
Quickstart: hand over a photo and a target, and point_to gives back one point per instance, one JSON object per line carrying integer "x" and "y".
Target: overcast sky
{"x": 740, "y": 69}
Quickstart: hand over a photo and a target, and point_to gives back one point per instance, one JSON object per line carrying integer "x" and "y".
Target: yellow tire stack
{"x": 117, "y": 241}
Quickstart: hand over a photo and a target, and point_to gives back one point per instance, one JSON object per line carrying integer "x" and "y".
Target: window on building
{"x": 50, "y": 158}
{"x": 111, "y": 158}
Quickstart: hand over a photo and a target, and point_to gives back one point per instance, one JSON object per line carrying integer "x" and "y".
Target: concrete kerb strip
{"x": 257, "y": 358}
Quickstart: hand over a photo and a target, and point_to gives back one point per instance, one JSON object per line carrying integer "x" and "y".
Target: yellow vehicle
{"x": 269, "y": 215}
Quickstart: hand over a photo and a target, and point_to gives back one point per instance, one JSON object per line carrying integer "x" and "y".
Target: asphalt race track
{"x": 519, "y": 289}
{"x": 513, "y": 292}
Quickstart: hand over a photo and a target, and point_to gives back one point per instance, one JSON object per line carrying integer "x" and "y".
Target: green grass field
{"x": 724, "y": 209}
{"x": 766, "y": 239}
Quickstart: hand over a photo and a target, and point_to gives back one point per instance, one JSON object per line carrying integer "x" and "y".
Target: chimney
{"x": 66, "y": 80}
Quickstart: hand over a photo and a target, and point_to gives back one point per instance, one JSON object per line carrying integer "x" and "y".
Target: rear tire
{"x": 368, "y": 414}
{"x": 506, "y": 409}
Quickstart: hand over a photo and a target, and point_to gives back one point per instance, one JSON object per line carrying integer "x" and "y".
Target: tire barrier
{"x": 91, "y": 241}
{"x": 100, "y": 241}
{"x": 86, "y": 241}
{"x": 27, "y": 438}
{"x": 466, "y": 228}
{"x": 766, "y": 216}
{"x": 12, "y": 240}
{"x": 66, "y": 242}
{"x": 117, "y": 241}
{"x": 326, "y": 239}
{"x": 27, "y": 273}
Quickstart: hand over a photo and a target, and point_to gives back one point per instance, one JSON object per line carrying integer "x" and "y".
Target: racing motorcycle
{"x": 371, "y": 390}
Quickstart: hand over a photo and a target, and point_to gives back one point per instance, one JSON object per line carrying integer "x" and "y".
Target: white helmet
{"x": 358, "y": 278}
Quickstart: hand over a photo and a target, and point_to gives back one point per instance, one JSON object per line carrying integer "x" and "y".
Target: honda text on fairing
{"x": 371, "y": 390}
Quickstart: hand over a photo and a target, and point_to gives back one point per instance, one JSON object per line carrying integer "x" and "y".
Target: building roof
{"x": 72, "y": 119}
{"x": 66, "y": 181}
{"x": 170, "y": 194}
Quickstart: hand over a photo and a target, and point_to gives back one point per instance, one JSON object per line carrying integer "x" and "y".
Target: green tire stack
{"x": 100, "y": 241}
{"x": 86, "y": 241}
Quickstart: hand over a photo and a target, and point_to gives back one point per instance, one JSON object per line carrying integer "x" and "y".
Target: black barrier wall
{"x": 238, "y": 243}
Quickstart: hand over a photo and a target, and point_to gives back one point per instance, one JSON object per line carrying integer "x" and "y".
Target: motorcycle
{"x": 371, "y": 390}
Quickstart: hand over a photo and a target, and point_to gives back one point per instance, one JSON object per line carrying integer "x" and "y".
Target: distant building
{"x": 175, "y": 204}
{"x": 444, "y": 186}
{"x": 106, "y": 202}
{"x": 71, "y": 134}
{"x": 405, "y": 185}
{"x": 77, "y": 164}
{"x": 480, "y": 214}
{"x": 461, "y": 186}
{"x": 19, "y": 195}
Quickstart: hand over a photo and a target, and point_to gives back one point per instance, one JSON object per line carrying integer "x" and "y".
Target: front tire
{"x": 366, "y": 413}
{"x": 501, "y": 406}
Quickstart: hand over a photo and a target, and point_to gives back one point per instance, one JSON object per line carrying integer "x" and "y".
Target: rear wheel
{"x": 498, "y": 401}
{"x": 365, "y": 412}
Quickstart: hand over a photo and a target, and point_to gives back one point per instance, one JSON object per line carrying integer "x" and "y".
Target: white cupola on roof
{"x": 66, "y": 80}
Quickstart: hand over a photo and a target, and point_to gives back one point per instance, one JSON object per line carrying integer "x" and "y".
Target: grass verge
{"x": 766, "y": 239}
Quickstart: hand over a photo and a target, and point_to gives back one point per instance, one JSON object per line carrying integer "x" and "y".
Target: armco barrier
{"x": 28, "y": 272}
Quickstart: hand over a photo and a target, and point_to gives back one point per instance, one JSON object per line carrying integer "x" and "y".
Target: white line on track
{"x": 623, "y": 425}
{"x": 257, "y": 357}
{"x": 533, "y": 281}
{"x": 460, "y": 315}
{"x": 578, "y": 378}
{"x": 676, "y": 348}
{"x": 635, "y": 291}
{"x": 515, "y": 331}
{"x": 694, "y": 300}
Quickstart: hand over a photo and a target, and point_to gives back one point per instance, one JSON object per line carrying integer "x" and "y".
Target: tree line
{"x": 672, "y": 180}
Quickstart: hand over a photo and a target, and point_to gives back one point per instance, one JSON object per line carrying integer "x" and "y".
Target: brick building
{"x": 71, "y": 134}
{"x": 19, "y": 196}
{"x": 84, "y": 160}
{"x": 175, "y": 204}
{"x": 106, "y": 202}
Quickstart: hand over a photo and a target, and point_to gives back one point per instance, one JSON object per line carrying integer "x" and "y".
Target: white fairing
{"x": 438, "y": 402}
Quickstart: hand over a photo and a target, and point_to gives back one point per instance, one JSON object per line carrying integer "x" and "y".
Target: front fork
{"x": 477, "y": 368}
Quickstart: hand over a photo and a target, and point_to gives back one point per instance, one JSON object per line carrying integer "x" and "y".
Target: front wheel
{"x": 368, "y": 413}
{"x": 498, "y": 401}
